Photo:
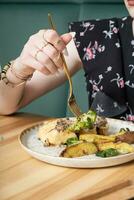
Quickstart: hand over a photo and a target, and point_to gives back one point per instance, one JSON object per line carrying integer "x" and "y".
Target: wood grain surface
{"x": 25, "y": 178}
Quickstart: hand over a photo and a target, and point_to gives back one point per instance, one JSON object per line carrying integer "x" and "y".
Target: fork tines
{"x": 74, "y": 107}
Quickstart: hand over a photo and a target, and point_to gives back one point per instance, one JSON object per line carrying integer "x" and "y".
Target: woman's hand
{"x": 42, "y": 53}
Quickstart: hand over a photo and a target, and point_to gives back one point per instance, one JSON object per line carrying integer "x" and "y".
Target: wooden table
{"x": 25, "y": 178}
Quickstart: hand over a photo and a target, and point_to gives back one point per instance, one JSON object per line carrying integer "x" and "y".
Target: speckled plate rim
{"x": 73, "y": 162}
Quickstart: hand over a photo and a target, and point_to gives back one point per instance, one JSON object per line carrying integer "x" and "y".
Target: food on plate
{"x": 104, "y": 146}
{"x": 90, "y": 123}
{"x": 96, "y": 138}
{"x": 122, "y": 148}
{"x": 107, "y": 153}
{"x": 85, "y": 135}
{"x": 84, "y": 123}
{"x": 80, "y": 149}
{"x": 55, "y": 132}
{"x": 101, "y": 126}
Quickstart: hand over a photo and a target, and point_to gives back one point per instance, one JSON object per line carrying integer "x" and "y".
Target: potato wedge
{"x": 122, "y": 147}
{"x": 96, "y": 138}
{"x": 81, "y": 149}
{"x": 104, "y": 146}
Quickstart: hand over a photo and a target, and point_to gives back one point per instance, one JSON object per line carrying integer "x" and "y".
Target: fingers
{"x": 36, "y": 40}
{"x": 48, "y": 49}
{"x": 42, "y": 51}
{"x": 54, "y": 55}
{"x": 66, "y": 38}
{"x": 53, "y": 38}
{"x": 39, "y": 60}
{"x": 46, "y": 62}
{"x": 31, "y": 62}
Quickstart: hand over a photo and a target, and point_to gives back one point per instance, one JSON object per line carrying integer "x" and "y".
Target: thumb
{"x": 66, "y": 38}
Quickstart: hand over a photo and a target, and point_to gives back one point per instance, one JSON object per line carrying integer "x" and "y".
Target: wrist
{"x": 18, "y": 72}
{"x": 12, "y": 78}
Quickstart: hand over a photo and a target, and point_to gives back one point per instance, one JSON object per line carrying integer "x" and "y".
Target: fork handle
{"x": 67, "y": 73}
{"x": 61, "y": 54}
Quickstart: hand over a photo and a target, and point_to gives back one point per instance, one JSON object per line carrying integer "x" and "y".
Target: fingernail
{"x": 73, "y": 34}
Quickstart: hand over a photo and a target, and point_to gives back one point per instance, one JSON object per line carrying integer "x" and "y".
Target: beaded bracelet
{"x": 4, "y": 78}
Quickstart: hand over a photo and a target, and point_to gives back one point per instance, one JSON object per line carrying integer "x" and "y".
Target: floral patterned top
{"x": 106, "y": 48}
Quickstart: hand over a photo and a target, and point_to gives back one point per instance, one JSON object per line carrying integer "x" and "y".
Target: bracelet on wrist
{"x": 5, "y": 79}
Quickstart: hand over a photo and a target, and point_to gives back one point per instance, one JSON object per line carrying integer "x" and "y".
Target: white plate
{"x": 30, "y": 143}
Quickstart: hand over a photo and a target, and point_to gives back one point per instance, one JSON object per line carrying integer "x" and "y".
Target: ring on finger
{"x": 36, "y": 54}
{"x": 57, "y": 57}
{"x": 41, "y": 49}
{"x": 44, "y": 38}
{"x": 44, "y": 45}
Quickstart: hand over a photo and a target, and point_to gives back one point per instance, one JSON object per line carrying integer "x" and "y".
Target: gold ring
{"x": 37, "y": 53}
{"x": 45, "y": 44}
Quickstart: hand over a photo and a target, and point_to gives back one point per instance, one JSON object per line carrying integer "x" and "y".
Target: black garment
{"x": 106, "y": 48}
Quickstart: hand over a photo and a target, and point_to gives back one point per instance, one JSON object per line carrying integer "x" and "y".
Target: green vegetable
{"x": 71, "y": 141}
{"x": 85, "y": 121}
{"x": 107, "y": 153}
{"x": 92, "y": 115}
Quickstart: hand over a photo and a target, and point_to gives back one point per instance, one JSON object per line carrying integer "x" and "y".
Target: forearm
{"x": 12, "y": 92}
{"x": 10, "y": 98}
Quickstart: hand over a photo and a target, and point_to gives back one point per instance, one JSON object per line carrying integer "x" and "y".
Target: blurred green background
{"x": 21, "y": 18}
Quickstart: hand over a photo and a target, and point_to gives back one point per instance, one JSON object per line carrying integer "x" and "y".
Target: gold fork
{"x": 73, "y": 106}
